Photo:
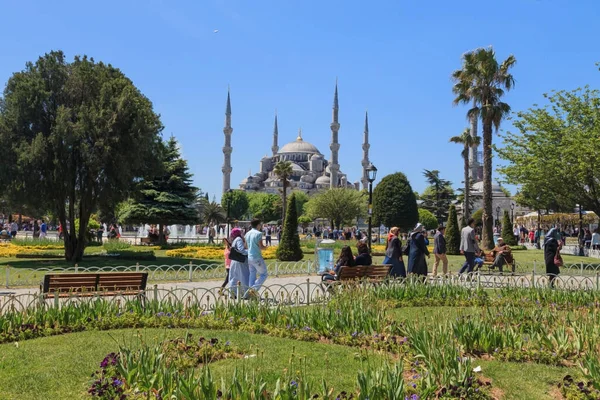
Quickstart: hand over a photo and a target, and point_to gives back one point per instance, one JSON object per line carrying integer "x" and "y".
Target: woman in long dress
{"x": 239, "y": 273}
{"x": 418, "y": 250}
{"x": 552, "y": 246}
{"x": 393, "y": 254}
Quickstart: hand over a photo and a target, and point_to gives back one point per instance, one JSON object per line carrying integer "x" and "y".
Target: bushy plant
{"x": 452, "y": 233}
{"x": 394, "y": 203}
{"x": 427, "y": 218}
{"x": 507, "y": 230}
{"x": 289, "y": 248}
{"x": 478, "y": 217}
{"x": 115, "y": 246}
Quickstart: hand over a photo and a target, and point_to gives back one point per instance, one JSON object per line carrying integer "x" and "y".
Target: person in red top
{"x": 227, "y": 261}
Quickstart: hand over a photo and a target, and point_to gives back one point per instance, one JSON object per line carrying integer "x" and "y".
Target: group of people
{"x": 244, "y": 262}
{"x": 10, "y": 230}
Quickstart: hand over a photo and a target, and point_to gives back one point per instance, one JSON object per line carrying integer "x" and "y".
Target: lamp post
{"x": 512, "y": 213}
{"x": 228, "y": 209}
{"x": 538, "y": 233}
{"x": 581, "y": 236}
{"x": 371, "y": 175}
{"x": 497, "y": 215}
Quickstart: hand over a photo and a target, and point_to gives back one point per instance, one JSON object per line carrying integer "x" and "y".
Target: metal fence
{"x": 16, "y": 277}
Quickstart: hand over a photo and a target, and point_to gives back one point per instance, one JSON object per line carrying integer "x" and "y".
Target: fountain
{"x": 143, "y": 231}
{"x": 174, "y": 234}
{"x": 188, "y": 232}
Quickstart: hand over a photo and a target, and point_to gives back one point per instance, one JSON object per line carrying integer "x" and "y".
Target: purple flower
{"x": 294, "y": 383}
{"x": 117, "y": 382}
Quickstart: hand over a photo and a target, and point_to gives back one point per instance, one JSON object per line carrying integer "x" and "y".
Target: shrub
{"x": 507, "y": 231}
{"x": 394, "y": 203}
{"x": 427, "y": 218}
{"x": 115, "y": 246}
{"x": 289, "y": 247}
{"x": 478, "y": 217}
{"x": 452, "y": 233}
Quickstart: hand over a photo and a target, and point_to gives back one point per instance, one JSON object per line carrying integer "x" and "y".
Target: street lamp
{"x": 371, "y": 175}
{"x": 498, "y": 216}
{"x": 538, "y": 234}
{"x": 512, "y": 213}
{"x": 581, "y": 237}
{"x": 228, "y": 209}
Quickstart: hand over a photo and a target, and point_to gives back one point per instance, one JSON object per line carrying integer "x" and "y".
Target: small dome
{"x": 323, "y": 180}
{"x": 478, "y": 187}
{"x": 316, "y": 157}
{"x": 296, "y": 167}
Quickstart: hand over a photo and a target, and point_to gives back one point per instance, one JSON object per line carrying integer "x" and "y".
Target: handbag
{"x": 558, "y": 261}
{"x": 235, "y": 255}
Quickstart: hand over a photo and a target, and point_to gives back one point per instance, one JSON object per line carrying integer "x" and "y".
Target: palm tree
{"x": 283, "y": 170}
{"x": 212, "y": 213}
{"x": 483, "y": 81}
{"x": 468, "y": 143}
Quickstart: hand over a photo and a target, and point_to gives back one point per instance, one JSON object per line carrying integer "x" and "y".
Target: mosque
{"x": 311, "y": 170}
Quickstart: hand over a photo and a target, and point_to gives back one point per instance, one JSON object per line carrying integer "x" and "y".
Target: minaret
{"x": 365, "y": 147}
{"x": 334, "y": 166}
{"x": 227, "y": 149}
{"x": 275, "y": 147}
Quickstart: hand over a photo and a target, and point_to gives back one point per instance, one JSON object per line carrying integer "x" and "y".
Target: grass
{"x": 60, "y": 367}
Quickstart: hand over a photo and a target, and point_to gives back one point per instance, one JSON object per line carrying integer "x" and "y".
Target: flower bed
{"x": 11, "y": 250}
{"x": 212, "y": 253}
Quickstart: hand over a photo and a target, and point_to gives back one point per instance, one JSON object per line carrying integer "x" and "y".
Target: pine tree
{"x": 167, "y": 198}
{"x": 507, "y": 232}
{"x": 452, "y": 233}
{"x": 289, "y": 246}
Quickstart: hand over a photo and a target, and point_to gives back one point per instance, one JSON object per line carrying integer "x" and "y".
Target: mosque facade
{"x": 312, "y": 171}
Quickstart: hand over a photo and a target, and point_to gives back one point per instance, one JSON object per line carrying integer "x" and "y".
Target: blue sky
{"x": 393, "y": 58}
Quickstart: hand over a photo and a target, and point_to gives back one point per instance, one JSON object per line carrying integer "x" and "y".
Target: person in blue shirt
{"x": 256, "y": 262}
{"x": 43, "y": 229}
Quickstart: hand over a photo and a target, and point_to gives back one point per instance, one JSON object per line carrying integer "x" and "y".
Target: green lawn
{"x": 60, "y": 367}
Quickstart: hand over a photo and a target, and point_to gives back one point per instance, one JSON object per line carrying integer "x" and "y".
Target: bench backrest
{"x": 112, "y": 281}
{"x": 359, "y": 272}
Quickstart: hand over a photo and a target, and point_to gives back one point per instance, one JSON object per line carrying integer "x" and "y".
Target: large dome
{"x": 299, "y": 146}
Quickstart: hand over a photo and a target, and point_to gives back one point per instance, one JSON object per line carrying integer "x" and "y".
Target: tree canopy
{"x": 554, "y": 154}
{"x": 266, "y": 206}
{"x": 394, "y": 202}
{"x": 166, "y": 198}
{"x": 438, "y": 196}
{"x": 428, "y": 220}
{"x": 238, "y": 203}
{"x": 338, "y": 205}
{"x": 74, "y": 135}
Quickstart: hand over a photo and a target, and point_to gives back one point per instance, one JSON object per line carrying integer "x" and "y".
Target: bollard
{"x": 7, "y": 276}
{"x": 76, "y": 267}
{"x": 308, "y": 267}
{"x": 137, "y": 267}
{"x": 190, "y": 272}
{"x": 307, "y": 292}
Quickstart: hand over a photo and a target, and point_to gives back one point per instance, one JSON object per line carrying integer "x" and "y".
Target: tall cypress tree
{"x": 168, "y": 197}
{"x": 452, "y": 233}
{"x": 289, "y": 246}
{"x": 507, "y": 230}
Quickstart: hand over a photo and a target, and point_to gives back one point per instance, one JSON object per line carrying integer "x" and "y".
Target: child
{"x": 478, "y": 262}
{"x": 227, "y": 260}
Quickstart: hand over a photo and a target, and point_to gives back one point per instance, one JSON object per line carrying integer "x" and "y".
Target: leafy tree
{"x": 338, "y": 205}
{"x": 166, "y": 198}
{"x": 452, "y": 232}
{"x": 283, "y": 170}
{"x": 289, "y": 246}
{"x": 482, "y": 82}
{"x": 213, "y": 213}
{"x": 555, "y": 152}
{"x": 394, "y": 203}
{"x": 478, "y": 217}
{"x": 265, "y": 206}
{"x": 507, "y": 230}
{"x": 428, "y": 220}
{"x": 468, "y": 142}
{"x": 74, "y": 136}
{"x": 304, "y": 221}
{"x": 438, "y": 196}
{"x": 238, "y": 203}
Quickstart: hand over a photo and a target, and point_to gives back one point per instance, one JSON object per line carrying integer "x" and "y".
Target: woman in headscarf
{"x": 346, "y": 260}
{"x": 552, "y": 246}
{"x": 393, "y": 254}
{"x": 238, "y": 270}
{"x": 418, "y": 250}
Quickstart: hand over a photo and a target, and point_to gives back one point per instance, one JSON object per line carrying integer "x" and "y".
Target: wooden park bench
{"x": 94, "y": 284}
{"x": 489, "y": 261}
{"x": 146, "y": 241}
{"x": 371, "y": 273}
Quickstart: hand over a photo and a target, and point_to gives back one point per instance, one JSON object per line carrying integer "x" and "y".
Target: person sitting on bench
{"x": 502, "y": 255}
{"x": 363, "y": 257}
{"x": 346, "y": 260}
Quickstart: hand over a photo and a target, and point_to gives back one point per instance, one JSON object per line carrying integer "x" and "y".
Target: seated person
{"x": 363, "y": 257}
{"x": 346, "y": 260}
{"x": 478, "y": 262}
{"x": 502, "y": 254}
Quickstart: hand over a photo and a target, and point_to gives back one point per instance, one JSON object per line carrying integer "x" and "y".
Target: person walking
{"x": 468, "y": 246}
{"x": 238, "y": 254}
{"x": 211, "y": 234}
{"x": 552, "y": 246}
{"x": 393, "y": 254}
{"x": 439, "y": 251}
{"x": 227, "y": 260}
{"x": 595, "y": 240}
{"x": 256, "y": 262}
{"x": 268, "y": 236}
{"x": 43, "y": 229}
{"x": 418, "y": 250}
{"x": 14, "y": 229}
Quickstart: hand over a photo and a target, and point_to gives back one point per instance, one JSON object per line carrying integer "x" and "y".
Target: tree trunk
{"x": 488, "y": 218}
{"x": 161, "y": 233}
{"x": 284, "y": 199}
{"x": 466, "y": 207}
